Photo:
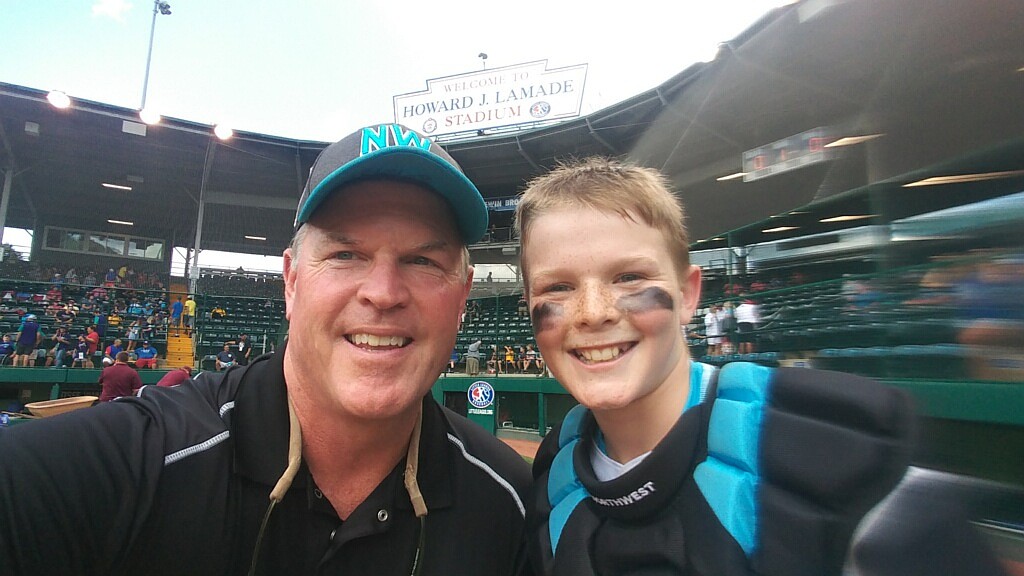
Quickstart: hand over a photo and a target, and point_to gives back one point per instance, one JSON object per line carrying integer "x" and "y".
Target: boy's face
{"x": 607, "y": 302}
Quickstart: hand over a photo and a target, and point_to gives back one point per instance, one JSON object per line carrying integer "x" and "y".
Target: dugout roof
{"x": 941, "y": 81}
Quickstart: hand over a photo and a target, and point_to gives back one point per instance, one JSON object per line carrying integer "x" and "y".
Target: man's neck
{"x": 637, "y": 428}
{"x": 348, "y": 457}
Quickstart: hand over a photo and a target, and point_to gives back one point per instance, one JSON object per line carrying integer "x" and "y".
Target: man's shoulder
{"x": 480, "y": 450}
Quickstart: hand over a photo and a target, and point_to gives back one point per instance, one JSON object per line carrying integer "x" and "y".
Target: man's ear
{"x": 470, "y": 271}
{"x": 689, "y": 290}
{"x": 289, "y": 282}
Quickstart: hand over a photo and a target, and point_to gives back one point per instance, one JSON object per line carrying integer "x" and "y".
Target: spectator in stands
{"x": 53, "y": 308}
{"x": 119, "y": 380}
{"x": 530, "y": 358}
{"x": 146, "y": 356}
{"x": 93, "y": 339}
{"x": 110, "y": 279}
{"x": 521, "y": 307}
{"x": 494, "y": 362}
{"x": 453, "y": 360}
{"x": 508, "y": 365}
{"x": 134, "y": 333}
{"x": 218, "y": 313}
{"x": 188, "y": 316}
{"x": 244, "y": 347}
{"x": 473, "y": 310}
{"x": 490, "y": 277}
{"x": 176, "y": 310}
{"x": 713, "y": 329}
{"x": 81, "y": 353}
{"x": 148, "y": 330}
{"x": 6, "y": 350}
{"x": 110, "y": 353}
{"x": 90, "y": 279}
{"x": 748, "y": 316}
{"x": 473, "y": 358}
{"x": 176, "y": 376}
{"x": 226, "y": 358}
{"x": 27, "y": 340}
{"x": 61, "y": 345}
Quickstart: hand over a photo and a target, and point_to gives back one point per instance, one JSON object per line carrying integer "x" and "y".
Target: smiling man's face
{"x": 374, "y": 298}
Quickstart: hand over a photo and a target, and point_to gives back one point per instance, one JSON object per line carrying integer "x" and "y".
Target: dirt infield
{"x": 526, "y": 448}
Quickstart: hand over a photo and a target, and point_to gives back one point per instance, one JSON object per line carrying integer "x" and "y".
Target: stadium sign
{"x": 788, "y": 154}
{"x": 490, "y": 98}
{"x": 503, "y": 204}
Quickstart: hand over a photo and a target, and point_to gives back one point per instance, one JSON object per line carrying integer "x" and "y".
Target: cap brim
{"x": 412, "y": 165}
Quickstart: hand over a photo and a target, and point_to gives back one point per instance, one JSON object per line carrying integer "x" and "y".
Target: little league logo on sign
{"x": 481, "y": 394}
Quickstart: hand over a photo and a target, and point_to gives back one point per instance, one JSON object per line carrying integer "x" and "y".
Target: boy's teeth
{"x": 373, "y": 340}
{"x": 600, "y": 354}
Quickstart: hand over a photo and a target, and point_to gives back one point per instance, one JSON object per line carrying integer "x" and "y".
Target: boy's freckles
{"x": 646, "y": 300}
{"x": 543, "y": 315}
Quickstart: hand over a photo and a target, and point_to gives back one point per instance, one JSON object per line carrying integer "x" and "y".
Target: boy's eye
{"x": 556, "y": 288}
{"x": 630, "y": 277}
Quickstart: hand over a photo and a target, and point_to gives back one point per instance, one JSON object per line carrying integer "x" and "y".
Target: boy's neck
{"x": 637, "y": 428}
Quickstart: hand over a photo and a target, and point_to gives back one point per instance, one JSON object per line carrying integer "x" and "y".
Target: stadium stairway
{"x": 179, "y": 350}
{"x": 179, "y": 344}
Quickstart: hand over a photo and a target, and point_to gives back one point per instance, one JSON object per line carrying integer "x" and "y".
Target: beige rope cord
{"x": 412, "y": 463}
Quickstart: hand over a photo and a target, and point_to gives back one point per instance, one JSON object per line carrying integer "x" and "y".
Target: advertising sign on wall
{"x": 490, "y": 98}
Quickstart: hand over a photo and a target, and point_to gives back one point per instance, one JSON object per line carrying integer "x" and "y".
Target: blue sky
{"x": 317, "y": 69}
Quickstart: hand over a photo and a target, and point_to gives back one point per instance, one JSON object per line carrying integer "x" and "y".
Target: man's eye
{"x": 422, "y": 261}
{"x": 556, "y": 288}
{"x": 343, "y": 256}
{"x": 630, "y": 277}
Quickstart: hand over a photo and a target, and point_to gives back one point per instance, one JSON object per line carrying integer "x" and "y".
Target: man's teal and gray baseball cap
{"x": 394, "y": 152}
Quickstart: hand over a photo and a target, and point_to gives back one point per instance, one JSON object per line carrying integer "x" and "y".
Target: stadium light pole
{"x": 161, "y": 7}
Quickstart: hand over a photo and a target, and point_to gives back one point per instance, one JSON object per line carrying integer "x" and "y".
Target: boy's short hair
{"x": 631, "y": 191}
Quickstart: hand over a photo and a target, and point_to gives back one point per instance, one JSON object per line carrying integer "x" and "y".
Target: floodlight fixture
{"x": 58, "y": 99}
{"x": 223, "y": 131}
{"x": 847, "y": 218}
{"x": 732, "y": 176}
{"x": 150, "y": 116}
{"x": 121, "y": 222}
{"x": 164, "y": 8}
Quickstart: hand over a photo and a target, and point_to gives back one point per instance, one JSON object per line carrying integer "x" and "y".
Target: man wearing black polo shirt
{"x": 329, "y": 456}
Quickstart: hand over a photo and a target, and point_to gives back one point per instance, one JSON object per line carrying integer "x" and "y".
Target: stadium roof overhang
{"x": 941, "y": 82}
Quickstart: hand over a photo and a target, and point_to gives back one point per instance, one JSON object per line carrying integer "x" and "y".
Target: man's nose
{"x": 384, "y": 287}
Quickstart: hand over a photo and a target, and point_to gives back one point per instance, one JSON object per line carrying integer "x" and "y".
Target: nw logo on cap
{"x": 388, "y": 135}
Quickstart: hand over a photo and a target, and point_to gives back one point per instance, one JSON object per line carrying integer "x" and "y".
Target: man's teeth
{"x": 375, "y": 341}
{"x": 599, "y": 354}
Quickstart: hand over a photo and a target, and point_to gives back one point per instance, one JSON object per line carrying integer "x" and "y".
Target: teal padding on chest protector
{"x": 729, "y": 477}
{"x": 700, "y": 378}
{"x": 565, "y": 492}
{"x": 571, "y": 425}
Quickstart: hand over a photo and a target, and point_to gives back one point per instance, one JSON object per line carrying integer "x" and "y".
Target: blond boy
{"x": 670, "y": 466}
